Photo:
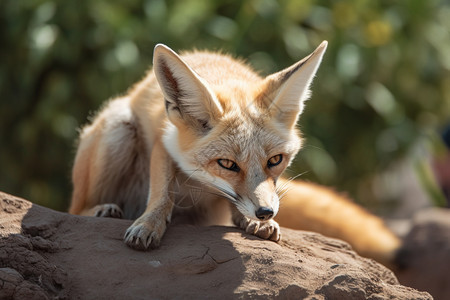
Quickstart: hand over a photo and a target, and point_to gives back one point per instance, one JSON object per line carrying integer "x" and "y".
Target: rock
{"x": 48, "y": 254}
{"x": 425, "y": 255}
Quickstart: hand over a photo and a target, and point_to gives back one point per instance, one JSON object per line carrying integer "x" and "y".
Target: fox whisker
{"x": 283, "y": 189}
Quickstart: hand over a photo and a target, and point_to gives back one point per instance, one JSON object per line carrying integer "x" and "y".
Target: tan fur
{"x": 204, "y": 136}
{"x": 311, "y": 207}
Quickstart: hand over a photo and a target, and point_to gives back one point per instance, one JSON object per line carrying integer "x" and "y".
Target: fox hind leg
{"x": 110, "y": 173}
{"x": 107, "y": 210}
{"x": 110, "y": 210}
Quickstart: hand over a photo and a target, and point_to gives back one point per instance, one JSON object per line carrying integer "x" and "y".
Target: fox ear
{"x": 188, "y": 97}
{"x": 285, "y": 92}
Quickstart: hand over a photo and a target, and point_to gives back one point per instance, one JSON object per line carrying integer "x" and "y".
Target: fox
{"x": 204, "y": 136}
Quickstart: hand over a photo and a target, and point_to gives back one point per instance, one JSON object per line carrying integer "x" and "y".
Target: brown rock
{"x": 425, "y": 255}
{"x": 48, "y": 254}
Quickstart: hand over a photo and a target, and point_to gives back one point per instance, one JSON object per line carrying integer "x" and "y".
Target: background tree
{"x": 384, "y": 84}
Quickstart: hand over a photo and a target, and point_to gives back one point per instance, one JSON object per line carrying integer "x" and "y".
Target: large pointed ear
{"x": 188, "y": 97}
{"x": 285, "y": 92}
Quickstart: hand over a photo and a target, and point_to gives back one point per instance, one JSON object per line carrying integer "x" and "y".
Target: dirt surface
{"x": 51, "y": 255}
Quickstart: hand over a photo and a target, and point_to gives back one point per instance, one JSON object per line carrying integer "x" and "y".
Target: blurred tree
{"x": 384, "y": 83}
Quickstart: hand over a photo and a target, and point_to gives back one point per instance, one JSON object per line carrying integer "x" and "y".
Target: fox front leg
{"x": 268, "y": 230}
{"x": 146, "y": 232}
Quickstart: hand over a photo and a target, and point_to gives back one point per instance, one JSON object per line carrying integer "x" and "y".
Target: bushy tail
{"x": 307, "y": 206}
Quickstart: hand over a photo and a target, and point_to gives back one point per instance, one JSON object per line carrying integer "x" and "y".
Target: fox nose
{"x": 264, "y": 213}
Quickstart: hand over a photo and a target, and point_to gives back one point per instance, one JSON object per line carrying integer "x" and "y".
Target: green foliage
{"x": 384, "y": 83}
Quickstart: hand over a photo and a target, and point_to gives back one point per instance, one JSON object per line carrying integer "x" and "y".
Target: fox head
{"x": 231, "y": 129}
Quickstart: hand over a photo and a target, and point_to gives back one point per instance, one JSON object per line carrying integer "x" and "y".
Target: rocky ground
{"x": 424, "y": 261}
{"x": 49, "y": 254}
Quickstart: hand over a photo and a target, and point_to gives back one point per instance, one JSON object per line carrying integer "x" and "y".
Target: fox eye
{"x": 228, "y": 164}
{"x": 274, "y": 160}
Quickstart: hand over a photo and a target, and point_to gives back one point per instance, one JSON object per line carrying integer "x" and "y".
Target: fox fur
{"x": 205, "y": 136}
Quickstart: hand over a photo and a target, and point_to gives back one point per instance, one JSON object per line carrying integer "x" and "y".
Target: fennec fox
{"x": 204, "y": 135}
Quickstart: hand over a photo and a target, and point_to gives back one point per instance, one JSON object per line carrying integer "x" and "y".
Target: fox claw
{"x": 144, "y": 233}
{"x": 269, "y": 230}
{"x": 108, "y": 210}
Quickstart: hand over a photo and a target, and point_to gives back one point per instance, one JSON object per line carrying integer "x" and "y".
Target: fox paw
{"x": 108, "y": 210}
{"x": 269, "y": 230}
{"x": 146, "y": 232}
